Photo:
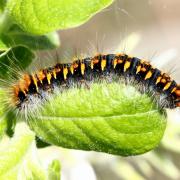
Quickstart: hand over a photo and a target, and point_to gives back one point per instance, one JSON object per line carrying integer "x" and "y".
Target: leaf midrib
{"x": 90, "y": 117}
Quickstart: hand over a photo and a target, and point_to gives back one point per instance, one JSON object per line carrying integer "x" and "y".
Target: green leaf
{"x": 12, "y": 35}
{"x": 112, "y": 118}
{"x": 15, "y": 153}
{"x": 13, "y": 59}
{"x": 15, "y": 36}
{"x": 54, "y": 170}
{"x": 40, "y": 17}
{"x": 19, "y": 157}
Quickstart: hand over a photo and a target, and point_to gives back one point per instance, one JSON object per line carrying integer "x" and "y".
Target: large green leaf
{"x": 44, "y": 16}
{"x": 112, "y": 118}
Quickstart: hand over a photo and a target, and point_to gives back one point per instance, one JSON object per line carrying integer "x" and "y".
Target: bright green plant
{"x": 117, "y": 119}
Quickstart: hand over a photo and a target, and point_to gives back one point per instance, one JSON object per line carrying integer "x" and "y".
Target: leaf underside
{"x": 40, "y": 17}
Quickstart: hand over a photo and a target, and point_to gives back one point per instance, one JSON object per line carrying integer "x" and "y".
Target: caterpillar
{"x": 45, "y": 81}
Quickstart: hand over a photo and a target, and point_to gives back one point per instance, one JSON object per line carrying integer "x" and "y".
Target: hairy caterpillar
{"x": 35, "y": 87}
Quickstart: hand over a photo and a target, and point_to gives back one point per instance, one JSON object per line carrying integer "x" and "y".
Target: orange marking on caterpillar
{"x": 178, "y": 104}
{"x": 167, "y": 86}
{"x": 138, "y": 69}
{"x": 173, "y": 90}
{"x": 82, "y": 68}
{"x": 49, "y": 76}
{"x": 103, "y": 64}
{"x": 177, "y": 92}
{"x": 41, "y": 76}
{"x": 120, "y": 61}
{"x": 54, "y": 74}
{"x": 158, "y": 79}
{"x": 143, "y": 69}
{"x": 163, "y": 80}
{"x": 114, "y": 63}
{"x": 72, "y": 69}
{"x": 93, "y": 62}
{"x": 75, "y": 65}
{"x": 65, "y": 72}
{"x": 57, "y": 69}
{"x": 126, "y": 65}
{"x": 148, "y": 75}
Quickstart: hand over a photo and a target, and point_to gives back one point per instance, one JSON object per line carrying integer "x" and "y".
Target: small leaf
{"x": 54, "y": 170}
{"x": 14, "y": 58}
{"x": 19, "y": 157}
{"x": 15, "y": 36}
{"x": 12, "y": 153}
{"x": 40, "y": 17}
{"x": 112, "y": 118}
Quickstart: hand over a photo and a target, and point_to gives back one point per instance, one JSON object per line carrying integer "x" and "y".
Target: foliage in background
{"x": 19, "y": 158}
